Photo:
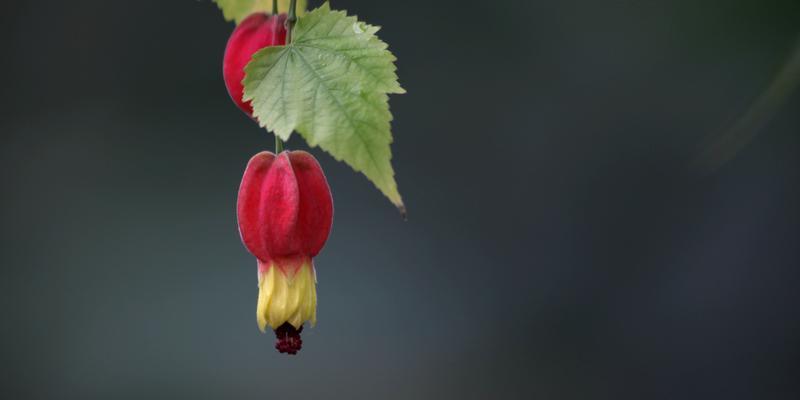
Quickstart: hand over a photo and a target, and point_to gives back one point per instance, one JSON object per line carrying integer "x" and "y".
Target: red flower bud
{"x": 251, "y": 35}
{"x": 285, "y": 212}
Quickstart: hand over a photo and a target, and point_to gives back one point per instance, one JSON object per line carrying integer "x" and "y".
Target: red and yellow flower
{"x": 285, "y": 213}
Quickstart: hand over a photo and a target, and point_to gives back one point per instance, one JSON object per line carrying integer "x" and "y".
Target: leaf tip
{"x": 403, "y": 212}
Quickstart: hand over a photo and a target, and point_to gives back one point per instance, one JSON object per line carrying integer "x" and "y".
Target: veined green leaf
{"x": 330, "y": 85}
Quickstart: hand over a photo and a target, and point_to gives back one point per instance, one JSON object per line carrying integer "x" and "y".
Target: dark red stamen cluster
{"x": 288, "y": 339}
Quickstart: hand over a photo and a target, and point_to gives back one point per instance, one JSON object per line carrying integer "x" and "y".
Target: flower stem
{"x": 291, "y": 19}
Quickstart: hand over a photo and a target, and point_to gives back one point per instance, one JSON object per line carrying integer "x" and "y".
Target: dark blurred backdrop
{"x": 559, "y": 245}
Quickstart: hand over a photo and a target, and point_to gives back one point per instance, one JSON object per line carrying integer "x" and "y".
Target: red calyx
{"x": 256, "y": 32}
{"x": 285, "y": 209}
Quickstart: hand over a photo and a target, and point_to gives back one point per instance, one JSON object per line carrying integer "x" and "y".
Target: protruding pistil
{"x": 288, "y": 339}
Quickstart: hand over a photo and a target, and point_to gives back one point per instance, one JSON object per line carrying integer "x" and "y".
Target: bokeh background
{"x": 560, "y": 245}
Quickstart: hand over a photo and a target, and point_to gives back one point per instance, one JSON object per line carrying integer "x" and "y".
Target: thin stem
{"x": 278, "y": 141}
{"x": 291, "y": 19}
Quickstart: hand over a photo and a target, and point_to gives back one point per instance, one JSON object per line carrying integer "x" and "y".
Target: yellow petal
{"x": 282, "y": 299}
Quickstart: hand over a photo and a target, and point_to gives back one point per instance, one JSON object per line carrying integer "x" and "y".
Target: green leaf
{"x": 330, "y": 85}
{"x": 237, "y": 10}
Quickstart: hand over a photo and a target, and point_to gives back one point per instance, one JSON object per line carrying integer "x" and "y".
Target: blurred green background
{"x": 559, "y": 244}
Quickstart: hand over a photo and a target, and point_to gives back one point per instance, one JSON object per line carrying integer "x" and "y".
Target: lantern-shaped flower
{"x": 256, "y": 32}
{"x": 285, "y": 212}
